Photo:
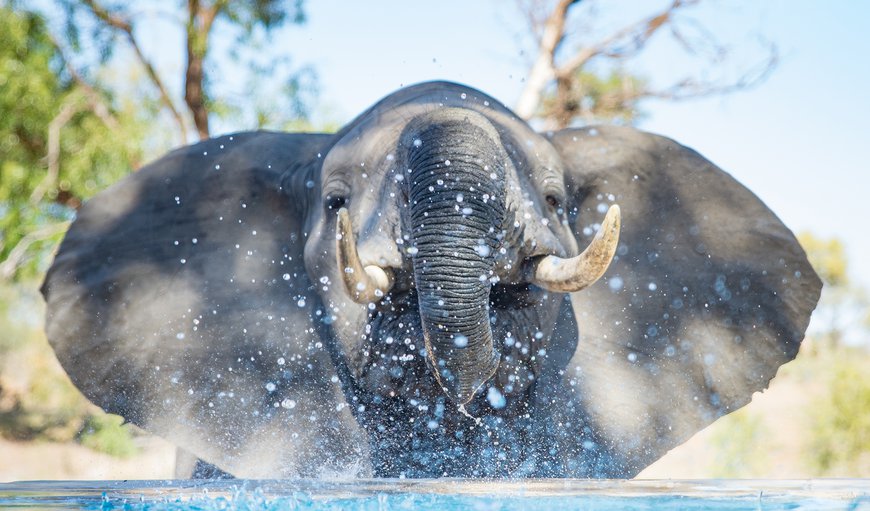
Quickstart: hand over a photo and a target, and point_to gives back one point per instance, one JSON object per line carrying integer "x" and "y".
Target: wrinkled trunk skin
{"x": 457, "y": 206}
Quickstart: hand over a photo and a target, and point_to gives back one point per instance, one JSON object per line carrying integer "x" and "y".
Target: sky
{"x": 799, "y": 140}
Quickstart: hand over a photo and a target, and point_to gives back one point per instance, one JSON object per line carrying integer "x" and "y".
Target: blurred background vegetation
{"x": 74, "y": 118}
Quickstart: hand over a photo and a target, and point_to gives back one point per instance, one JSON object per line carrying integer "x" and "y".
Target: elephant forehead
{"x": 372, "y": 136}
{"x": 362, "y": 146}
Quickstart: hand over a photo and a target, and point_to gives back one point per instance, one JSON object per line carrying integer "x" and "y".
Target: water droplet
{"x": 495, "y": 398}
{"x": 460, "y": 341}
{"x": 417, "y": 142}
{"x": 615, "y": 283}
{"x": 270, "y": 387}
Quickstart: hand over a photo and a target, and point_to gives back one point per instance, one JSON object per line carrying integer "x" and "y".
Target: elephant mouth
{"x": 395, "y": 356}
{"x": 458, "y": 340}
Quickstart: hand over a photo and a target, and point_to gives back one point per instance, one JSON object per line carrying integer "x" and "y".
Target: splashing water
{"x": 445, "y": 494}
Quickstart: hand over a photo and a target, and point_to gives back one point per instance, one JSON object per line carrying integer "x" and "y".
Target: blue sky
{"x": 799, "y": 140}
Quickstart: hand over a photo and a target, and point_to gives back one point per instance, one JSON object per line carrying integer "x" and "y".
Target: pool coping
{"x": 835, "y": 489}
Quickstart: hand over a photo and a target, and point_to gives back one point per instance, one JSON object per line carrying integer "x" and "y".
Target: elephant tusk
{"x": 569, "y": 275}
{"x": 364, "y": 286}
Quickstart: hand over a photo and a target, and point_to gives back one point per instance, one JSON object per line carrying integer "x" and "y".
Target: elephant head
{"x": 406, "y": 297}
{"x": 437, "y": 227}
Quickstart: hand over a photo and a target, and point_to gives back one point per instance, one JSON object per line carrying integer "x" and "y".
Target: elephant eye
{"x": 335, "y": 202}
{"x": 554, "y": 202}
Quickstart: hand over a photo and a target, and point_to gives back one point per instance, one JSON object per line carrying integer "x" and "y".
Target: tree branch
{"x": 543, "y": 69}
{"x": 126, "y": 28}
{"x": 98, "y": 105}
{"x": 637, "y": 35}
{"x": 199, "y": 23}
{"x": 689, "y": 88}
{"x": 19, "y": 252}
{"x": 71, "y": 107}
{"x": 685, "y": 89}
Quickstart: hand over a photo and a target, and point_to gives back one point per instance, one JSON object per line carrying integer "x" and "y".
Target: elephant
{"x": 436, "y": 290}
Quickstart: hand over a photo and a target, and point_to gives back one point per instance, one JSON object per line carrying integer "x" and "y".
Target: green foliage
{"x": 65, "y": 135}
{"x": 843, "y": 313}
{"x": 596, "y": 98}
{"x": 274, "y": 92}
{"x": 828, "y": 257}
{"x": 16, "y": 329}
{"x": 37, "y": 400}
{"x": 739, "y": 441}
{"x": 107, "y": 433}
{"x": 249, "y": 14}
{"x": 840, "y": 440}
{"x": 59, "y": 144}
{"x": 613, "y": 97}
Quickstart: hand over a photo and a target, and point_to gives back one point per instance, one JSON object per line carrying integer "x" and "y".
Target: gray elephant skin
{"x": 202, "y": 298}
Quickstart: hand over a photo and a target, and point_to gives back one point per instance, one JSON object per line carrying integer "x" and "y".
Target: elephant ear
{"x": 179, "y": 300}
{"x": 708, "y": 295}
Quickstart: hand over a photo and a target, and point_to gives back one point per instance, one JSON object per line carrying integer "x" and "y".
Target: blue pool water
{"x": 479, "y": 495}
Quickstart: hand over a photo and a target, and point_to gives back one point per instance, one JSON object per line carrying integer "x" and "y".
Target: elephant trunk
{"x": 457, "y": 206}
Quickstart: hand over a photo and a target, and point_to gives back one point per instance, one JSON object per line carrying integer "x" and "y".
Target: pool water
{"x": 441, "y": 494}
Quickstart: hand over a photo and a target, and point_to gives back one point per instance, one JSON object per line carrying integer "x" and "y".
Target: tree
{"x": 844, "y": 307}
{"x": 574, "y": 80}
{"x": 61, "y": 141}
{"x": 68, "y": 127}
{"x": 245, "y": 20}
